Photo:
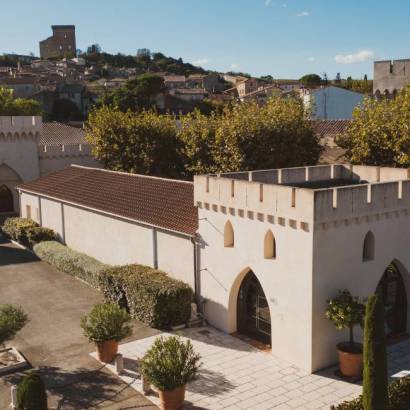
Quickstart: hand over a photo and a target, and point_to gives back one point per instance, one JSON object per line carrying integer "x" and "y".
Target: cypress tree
{"x": 31, "y": 393}
{"x": 375, "y": 379}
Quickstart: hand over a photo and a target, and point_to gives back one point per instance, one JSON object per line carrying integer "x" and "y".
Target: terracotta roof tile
{"x": 330, "y": 127}
{"x": 56, "y": 133}
{"x": 165, "y": 203}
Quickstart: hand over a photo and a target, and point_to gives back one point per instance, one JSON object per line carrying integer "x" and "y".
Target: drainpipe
{"x": 197, "y": 285}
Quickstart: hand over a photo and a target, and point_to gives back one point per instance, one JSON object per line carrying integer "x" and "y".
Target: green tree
{"x": 12, "y": 320}
{"x": 311, "y": 80}
{"x": 144, "y": 143}
{"x": 380, "y": 132}
{"x": 136, "y": 94}
{"x": 17, "y": 106}
{"x": 375, "y": 378}
{"x": 31, "y": 393}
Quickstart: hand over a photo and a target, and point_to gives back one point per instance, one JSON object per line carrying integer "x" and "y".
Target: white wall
{"x": 33, "y": 202}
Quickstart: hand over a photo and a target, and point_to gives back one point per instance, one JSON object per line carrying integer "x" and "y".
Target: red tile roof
{"x": 165, "y": 203}
{"x": 330, "y": 127}
{"x": 56, "y": 133}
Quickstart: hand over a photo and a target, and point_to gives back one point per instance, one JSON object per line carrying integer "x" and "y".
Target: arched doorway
{"x": 253, "y": 316}
{"x": 392, "y": 290}
{"x": 6, "y": 199}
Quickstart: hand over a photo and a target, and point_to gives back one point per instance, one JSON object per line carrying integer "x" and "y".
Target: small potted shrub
{"x": 169, "y": 365}
{"x": 346, "y": 312}
{"x": 31, "y": 393}
{"x": 106, "y": 325}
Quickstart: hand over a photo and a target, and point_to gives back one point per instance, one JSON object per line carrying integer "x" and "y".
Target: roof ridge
{"x": 131, "y": 174}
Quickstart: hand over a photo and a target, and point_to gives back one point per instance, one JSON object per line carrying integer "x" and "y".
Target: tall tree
{"x": 379, "y": 133}
{"x": 311, "y": 80}
{"x": 17, "y": 106}
{"x": 375, "y": 378}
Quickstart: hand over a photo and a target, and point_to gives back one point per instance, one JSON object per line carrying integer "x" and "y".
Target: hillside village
{"x": 223, "y": 241}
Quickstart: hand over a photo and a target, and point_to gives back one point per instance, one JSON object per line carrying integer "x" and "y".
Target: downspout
{"x": 197, "y": 287}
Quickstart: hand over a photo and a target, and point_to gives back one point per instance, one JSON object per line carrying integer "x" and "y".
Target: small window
{"x": 368, "y": 247}
{"x": 229, "y": 237}
{"x": 28, "y": 211}
{"x": 269, "y": 250}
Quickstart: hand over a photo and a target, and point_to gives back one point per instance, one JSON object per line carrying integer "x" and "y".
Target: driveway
{"x": 52, "y": 341}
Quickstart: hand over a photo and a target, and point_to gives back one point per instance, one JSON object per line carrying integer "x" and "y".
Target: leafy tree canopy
{"x": 380, "y": 132}
{"x": 311, "y": 80}
{"x": 17, "y": 106}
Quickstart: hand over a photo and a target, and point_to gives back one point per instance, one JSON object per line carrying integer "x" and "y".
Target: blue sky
{"x": 284, "y": 38}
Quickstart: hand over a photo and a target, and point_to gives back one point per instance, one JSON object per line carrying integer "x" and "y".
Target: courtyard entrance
{"x": 253, "y": 316}
{"x": 392, "y": 290}
{"x": 6, "y": 199}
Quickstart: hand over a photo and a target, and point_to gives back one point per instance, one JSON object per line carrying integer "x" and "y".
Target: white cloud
{"x": 268, "y": 2}
{"x": 311, "y": 59}
{"x": 359, "y": 57}
{"x": 200, "y": 61}
{"x": 303, "y": 14}
{"x": 234, "y": 66}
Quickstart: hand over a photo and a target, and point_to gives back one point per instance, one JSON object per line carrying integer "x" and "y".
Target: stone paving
{"x": 235, "y": 375}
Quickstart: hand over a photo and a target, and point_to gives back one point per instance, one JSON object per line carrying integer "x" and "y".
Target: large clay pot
{"x": 172, "y": 399}
{"x": 350, "y": 359}
{"x": 106, "y": 351}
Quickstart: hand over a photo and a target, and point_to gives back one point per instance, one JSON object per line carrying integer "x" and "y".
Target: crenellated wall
{"x": 21, "y": 126}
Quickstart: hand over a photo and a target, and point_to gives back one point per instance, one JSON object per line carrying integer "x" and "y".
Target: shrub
{"x": 399, "y": 398}
{"x": 12, "y": 320}
{"x": 150, "y": 295}
{"x": 16, "y": 228}
{"x": 39, "y": 234}
{"x": 345, "y": 311}
{"x": 106, "y": 322}
{"x": 375, "y": 380}
{"x": 70, "y": 261}
{"x": 31, "y": 393}
{"x": 170, "y": 363}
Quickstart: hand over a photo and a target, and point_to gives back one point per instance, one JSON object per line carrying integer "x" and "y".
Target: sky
{"x": 283, "y": 38}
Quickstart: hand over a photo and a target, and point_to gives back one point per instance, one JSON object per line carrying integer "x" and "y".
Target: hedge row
{"x": 148, "y": 294}
{"x": 26, "y": 231}
{"x": 399, "y": 398}
{"x": 70, "y": 261}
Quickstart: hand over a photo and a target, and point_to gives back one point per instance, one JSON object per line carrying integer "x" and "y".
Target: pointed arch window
{"x": 229, "y": 235}
{"x": 269, "y": 246}
{"x": 368, "y": 247}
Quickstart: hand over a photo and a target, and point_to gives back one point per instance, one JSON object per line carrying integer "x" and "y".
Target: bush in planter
{"x": 16, "y": 228}
{"x": 12, "y": 320}
{"x": 106, "y": 322}
{"x": 170, "y": 363}
{"x": 346, "y": 312}
{"x": 70, "y": 261}
{"x": 150, "y": 295}
{"x": 375, "y": 378}
{"x": 31, "y": 393}
{"x": 39, "y": 234}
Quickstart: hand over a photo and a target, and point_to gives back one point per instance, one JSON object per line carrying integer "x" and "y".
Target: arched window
{"x": 6, "y": 199}
{"x": 269, "y": 247}
{"x": 368, "y": 247}
{"x": 229, "y": 237}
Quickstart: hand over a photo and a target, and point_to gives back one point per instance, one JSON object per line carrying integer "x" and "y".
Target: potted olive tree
{"x": 346, "y": 312}
{"x": 169, "y": 365}
{"x": 106, "y": 325}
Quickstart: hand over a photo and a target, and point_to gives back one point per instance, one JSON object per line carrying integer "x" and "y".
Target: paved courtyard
{"x": 235, "y": 375}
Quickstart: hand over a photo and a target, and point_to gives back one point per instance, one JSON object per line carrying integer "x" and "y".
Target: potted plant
{"x": 106, "y": 325}
{"x": 169, "y": 365}
{"x": 345, "y": 311}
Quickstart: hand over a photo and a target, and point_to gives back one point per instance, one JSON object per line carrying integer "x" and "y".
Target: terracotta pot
{"x": 106, "y": 351}
{"x": 350, "y": 359}
{"x": 172, "y": 399}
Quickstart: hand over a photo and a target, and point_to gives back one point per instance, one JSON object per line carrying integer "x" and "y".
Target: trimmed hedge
{"x": 70, "y": 261}
{"x": 399, "y": 398}
{"x": 39, "y": 234}
{"x": 16, "y": 228}
{"x": 148, "y": 294}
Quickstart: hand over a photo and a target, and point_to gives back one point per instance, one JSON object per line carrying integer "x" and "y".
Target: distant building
{"x": 390, "y": 77}
{"x": 60, "y": 44}
{"x": 174, "y": 81}
{"x": 331, "y": 103}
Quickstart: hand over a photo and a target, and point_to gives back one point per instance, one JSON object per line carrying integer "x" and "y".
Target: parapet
{"x": 20, "y": 126}
{"x": 65, "y": 150}
{"x": 310, "y": 194}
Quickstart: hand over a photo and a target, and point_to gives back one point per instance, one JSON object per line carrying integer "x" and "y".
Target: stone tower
{"x": 60, "y": 44}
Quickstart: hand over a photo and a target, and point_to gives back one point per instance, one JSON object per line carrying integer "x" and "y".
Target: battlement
{"x": 20, "y": 126}
{"x": 67, "y": 150}
{"x": 391, "y": 76}
{"x": 310, "y": 194}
